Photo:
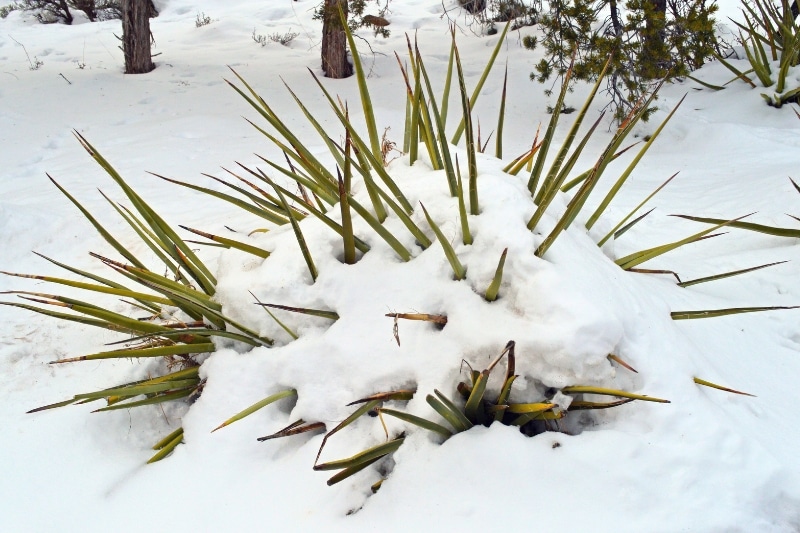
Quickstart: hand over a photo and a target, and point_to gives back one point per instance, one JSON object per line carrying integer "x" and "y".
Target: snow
{"x": 708, "y": 461}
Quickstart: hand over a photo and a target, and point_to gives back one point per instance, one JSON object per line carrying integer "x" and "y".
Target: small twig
{"x": 65, "y": 78}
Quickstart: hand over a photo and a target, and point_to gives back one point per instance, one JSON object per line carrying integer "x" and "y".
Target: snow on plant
{"x": 771, "y": 40}
{"x": 350, "y": 238}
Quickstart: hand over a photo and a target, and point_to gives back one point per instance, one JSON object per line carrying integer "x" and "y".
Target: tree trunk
{"x": 653, "y": 47}
{"x": 334, "y": 41}
{"x": 136, "y": 36}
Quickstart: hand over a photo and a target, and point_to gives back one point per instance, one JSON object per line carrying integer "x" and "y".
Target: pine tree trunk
{"x": 136, "y": 36}
{"x": 334, "y": 41}
{"x": 654, "y": 48}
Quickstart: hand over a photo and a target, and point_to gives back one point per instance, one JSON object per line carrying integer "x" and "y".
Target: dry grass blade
{"x": 619, "y": 361}
{"x": 256, "y": 406}
{"x": 720, "y": 387}
{"x": 425, "y": 317}
{"x": 295, "y": 428}
{"x": 580, "y": 389}
{"x": 712, "y": 313}
{"x": 727, "y": 274}
{"x": 401, "y": 395}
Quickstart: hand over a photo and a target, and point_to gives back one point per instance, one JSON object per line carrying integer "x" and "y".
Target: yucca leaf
{"x": 169, "y": 438}
{"x": 369, "y": 454}
{"x": 298, "y": 233}
{"x": 621, "y": 180}
{"x": 298, "y": 151}
{"x": 93, "y": 287}
{"x": 52, "y": 406}
{"x": 230, "y": 243}
{"x": 446, "y": 158}
{"x": 720, "y": 387}
{"x": 472, "y": 162}
{"x": 637, "y": 258}
{"x": 448, "y": 81}
{"x": 581, "y": 389}
{"x": 448, "y": 410}
{"x": 538, "y": 166}
{"x": 352, "y": 470}
{"x": 152, "y": 400}
{"x": 501, "y": 115}
{"x": 621, "y": 226}
{"x": 100, "y": 229}
{"x": 417, "y": 421}
{"x": 256, "y": 406}
{"x": 739, "y": 74}
{"x": 146, "y": 388}
{"x": 462, "y": 209}
{"x": 502, "y": 398}
{"x": 396, "y": 395}
{"x": 167, "y": 448}
{"x": 727, "y": 274}
{"x": 159, "y": 351}
{"x": 367, "y": 407}
{"x": 578, "y": 405}
{"x": 360, "y": 145}
{"x": 458, "y": 269}
{"x": 474, "y": 98}
{"x": 331, "y": 315}
{"x": 760, "y": 228}
{"x": 295, "y": 428}
{"x": 283, "y": 326}
{"x": 363, "y": 90}
{"x": 360, "y": 244}
{"x": 472, "y": 407}
{"x": 525, "y": 408}
{"x": 260, "y": 209}
{"x": 167, "y": 235}
{"x": 712, "y": 313}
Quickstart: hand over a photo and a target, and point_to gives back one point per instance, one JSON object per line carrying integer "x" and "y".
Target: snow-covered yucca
{"x": 350, "y": 233}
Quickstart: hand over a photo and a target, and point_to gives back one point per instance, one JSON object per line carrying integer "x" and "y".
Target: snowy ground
{"x": 709, "y": 461}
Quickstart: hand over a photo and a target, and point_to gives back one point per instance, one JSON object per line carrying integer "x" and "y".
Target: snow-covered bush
{"x": 347, "y": 233}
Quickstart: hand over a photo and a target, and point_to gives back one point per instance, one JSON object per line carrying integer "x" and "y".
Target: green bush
{"x": 645, "y": 46}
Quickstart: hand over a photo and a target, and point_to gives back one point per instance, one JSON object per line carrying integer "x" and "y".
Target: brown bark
{"x": 334, "y": 41}
{"x": 136, "y": 36}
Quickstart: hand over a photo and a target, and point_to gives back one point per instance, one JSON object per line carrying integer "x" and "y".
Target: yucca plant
{"x": 185, "y": 321}
{"x": 770, "y": 36}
